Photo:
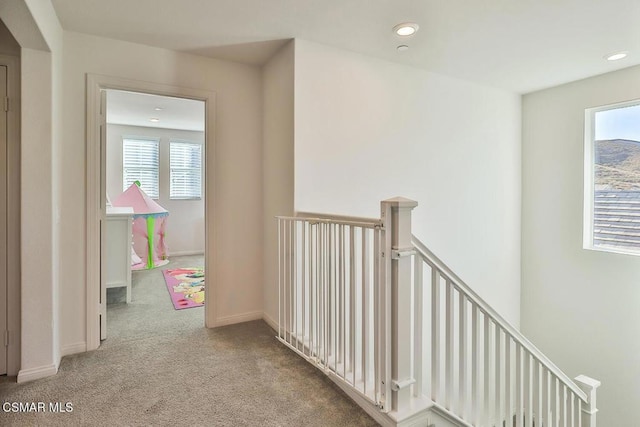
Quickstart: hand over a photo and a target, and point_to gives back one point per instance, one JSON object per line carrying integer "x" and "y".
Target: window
{"x": 186, "y": 170}
{"x": 612, "y": 178}
{"x": 140, "y": 162}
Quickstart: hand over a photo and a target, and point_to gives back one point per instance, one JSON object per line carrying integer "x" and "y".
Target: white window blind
{"x": 186, "y": 170}
{"x": 140, "y": 162}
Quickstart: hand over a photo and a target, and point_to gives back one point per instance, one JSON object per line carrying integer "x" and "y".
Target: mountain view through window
{"x": 616, "y": 179}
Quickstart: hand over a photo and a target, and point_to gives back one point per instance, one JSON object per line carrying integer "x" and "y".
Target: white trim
{"x": 373, "y": 411}
{"x": 421, "y": 413}
{"x": 94, "y": 84}
{"x": 185, "y": 253}
{"x": 79, "y": 347}
{"x": 587, "y": 226}
{"x": 238, "y": 318}
{"x": 444, "y": 416}
{"x": 36, "y": 373}
{"x": 589, "y": 183}
{"x": 270, "y": 321}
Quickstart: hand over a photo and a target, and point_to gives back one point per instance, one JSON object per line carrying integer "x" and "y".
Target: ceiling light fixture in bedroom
{"x": 154, "y": 119}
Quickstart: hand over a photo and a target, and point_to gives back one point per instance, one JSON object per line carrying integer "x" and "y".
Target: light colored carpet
{"x": 160, "y": 366}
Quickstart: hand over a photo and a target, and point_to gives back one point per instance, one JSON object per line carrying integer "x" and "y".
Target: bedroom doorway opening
{"x": 10, "y": 286}
{"x": 155, "y": 210}
{"x": 149, "y": 247}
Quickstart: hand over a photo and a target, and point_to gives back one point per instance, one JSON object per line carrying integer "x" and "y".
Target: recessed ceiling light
{"x": 402, "y": 48}
{"x": 406, "y": 29}
{"x": 158, "y": 109}
{"x": 616, "y": 56}
{"x": 154, "y": 119}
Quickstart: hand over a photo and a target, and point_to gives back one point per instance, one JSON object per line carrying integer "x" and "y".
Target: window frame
{"x": 154, "y": 140}
{"x": 589, "y": 177}
{"x": 199, "y": 168}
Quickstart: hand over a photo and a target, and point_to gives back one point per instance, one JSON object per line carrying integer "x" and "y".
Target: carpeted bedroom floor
{"x": 161, "y": 366}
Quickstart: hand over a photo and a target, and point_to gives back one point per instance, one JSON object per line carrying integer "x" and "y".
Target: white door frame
{"x": 95, "y": 163}
{"x": 13, "y": 213}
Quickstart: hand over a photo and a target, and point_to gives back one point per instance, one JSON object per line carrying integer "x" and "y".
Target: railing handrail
{"x": 326, "y": 219}
{"x": 431, "y": 258}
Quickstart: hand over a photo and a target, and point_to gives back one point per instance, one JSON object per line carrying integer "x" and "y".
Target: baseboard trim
{"x": 373, "y": 411}
{"x": 185, "y": 253}
{"x": 36, "y": 373}
{"x": 79, "y": 347}
{"x": 238, "y": 318}
{"x": 270, "y": 321}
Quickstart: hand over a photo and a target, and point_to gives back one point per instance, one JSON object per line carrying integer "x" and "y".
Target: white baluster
{"x": 449, "y": 341}
{"x": 326, "y": 319}
{"x": 528, "y": 395}
{"x": 564, "y": 405}
{"x": 463, "y": 356}
{"x": 556, "y": 399}
{"x": 366, "y": 295}
{"x": 342, "y": 305}
{"x": 487, "y": 370}
{"x": 435, "y": 335}
{"x": 519, "y": 386}
{"x": 580, "y": 416}
{"x": 498, "y": 396}
{"x": 548, "y": 420}
{"x": 294, "y": 263}
{"x": 417, "y": 327}
{"x": 280, "y": 278}
{"x": 352, "y": 305}
{"x": 540, "y": 394}
{"x": 508, "y": 381}
{"x": 475, "y": 364}
{"x": 376, "y": 305}
{"x": 287, "y": 287}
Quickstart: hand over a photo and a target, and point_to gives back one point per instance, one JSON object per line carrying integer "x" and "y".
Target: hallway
{"x": 160, "y": 366}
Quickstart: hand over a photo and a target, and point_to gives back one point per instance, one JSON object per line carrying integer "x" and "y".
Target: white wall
{"x": 36, "y": 28}
{"x": 185, "y": 226}
{"x": 581, "y": 307}
{"x": 237, "y": 254}
{"x": 367, "y": 130}
{"x": 277, "y": 163}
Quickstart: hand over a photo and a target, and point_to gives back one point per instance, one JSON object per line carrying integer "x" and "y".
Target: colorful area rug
{"x": 185, "y": 286}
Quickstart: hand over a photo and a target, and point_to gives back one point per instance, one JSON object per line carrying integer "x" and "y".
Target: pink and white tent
{"x": 149, "y": 221}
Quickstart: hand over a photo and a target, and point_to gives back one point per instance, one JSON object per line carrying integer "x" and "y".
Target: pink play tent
{"x": 149, "y": 222}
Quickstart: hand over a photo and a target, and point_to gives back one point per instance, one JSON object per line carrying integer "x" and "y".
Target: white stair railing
{"x": 331, "y": 300}
{"x": 484, "y": 370}
{"x": 374, "y": 309}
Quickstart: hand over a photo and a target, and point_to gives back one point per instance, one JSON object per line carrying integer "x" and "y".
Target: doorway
{"x": 3, "y": 220}
{"x": 155, "y": 241}
{"x": 98, "y": 88}
{"x": 9, "y": 213}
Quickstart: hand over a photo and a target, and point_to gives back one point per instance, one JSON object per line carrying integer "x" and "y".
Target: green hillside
{"x": 617, "y": 165}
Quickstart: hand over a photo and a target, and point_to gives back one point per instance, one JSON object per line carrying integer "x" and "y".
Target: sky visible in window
{"x": 619, "y": 123}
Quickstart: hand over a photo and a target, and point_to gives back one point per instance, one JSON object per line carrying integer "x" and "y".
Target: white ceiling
{"x": 518, "y": 45}
{"x": 136, "y": 109}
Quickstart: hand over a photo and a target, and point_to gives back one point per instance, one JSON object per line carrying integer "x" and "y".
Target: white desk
{"x": 118, "y": 248}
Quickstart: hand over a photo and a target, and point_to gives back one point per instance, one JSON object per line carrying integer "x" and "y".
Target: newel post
{"x": 396, "y": 216}
{"x": 589, "y": 386}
